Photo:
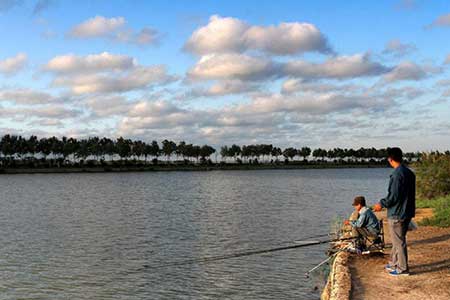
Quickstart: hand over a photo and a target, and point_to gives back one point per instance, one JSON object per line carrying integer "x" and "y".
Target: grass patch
{"x": 441, "y": 211}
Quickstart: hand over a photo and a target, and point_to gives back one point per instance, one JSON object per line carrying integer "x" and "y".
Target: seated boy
{"x": 367, "y": 224}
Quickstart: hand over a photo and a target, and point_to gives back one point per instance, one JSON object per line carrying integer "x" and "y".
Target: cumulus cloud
{"x": 12, "y": 65}
{"x": 146, "y": 36}
{"x": 223, "y": 35}
{"x": 232, "y": 65}
{"x": 140, "y": 77}
{"x": 294, "y": 85}
{"x": 250, "y": 69}
{"x": 105, "y": 61}
{"x": 104, "y": 73}
{"x": 52, "y": 112}
{"x": 159, "y": 115}
{"x": 396, "y": 48}
{"x": 26, "y": 96}
{"x": 406, "y": 71}
{"x": 270, "y": 114}
{"x": 97, "y": 26}
{"x": 219, "y": 89}
{"x": 340, "y": 67}
{"x": 229, "y": 87}
{"x": 114, "y": 29}
{"x": 110, "y": 105}
{"x": 441, "y": 21}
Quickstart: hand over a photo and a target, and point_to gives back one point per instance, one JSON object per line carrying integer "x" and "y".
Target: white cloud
{"x": 397, "y": 48}
{"x": 219, "y": 89}
{"x": 114, "y": 29}
{"x": 56, "y": 112}
{"x": 223, "y": 35}
{"x": 12, "y": 65}
{"x": 406, "y": 71}
{"x": 158, "y": 115}
{"x": 97, "y": 26}
{"x": 229, "y": 87}
{"x": 146, "y": 36}
{"x": 26, "y": 96}
{"x": 105, "y": 61}
{"x": 271, "y": 116}
{"x": 104, "y": 73}
{"x": 232, "y": 66}
{"x": 287, "y": 38}
{"x": 140, "y": 77}
{"x": 341, "y": 67}
{"x": 105, "y": 106}
{"x": 46, "y": 122}
{"x": 441, "y": 21}
{"x": 298, "y": 85}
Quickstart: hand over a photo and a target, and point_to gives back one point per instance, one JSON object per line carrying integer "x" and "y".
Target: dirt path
{"x": 429, "y": 262}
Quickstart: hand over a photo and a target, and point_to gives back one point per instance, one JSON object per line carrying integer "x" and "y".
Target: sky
{"x": 289, "y": 73}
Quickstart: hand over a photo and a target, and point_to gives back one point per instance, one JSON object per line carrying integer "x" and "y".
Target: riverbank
{"x": 429, "y": 257}
{"x": 174, "y": 167}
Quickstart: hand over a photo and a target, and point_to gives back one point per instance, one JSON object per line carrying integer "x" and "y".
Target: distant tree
{"x": 206, "y": 151}
{"x": 70, "y": 147}
{"x": 138, "y": 149}
{"x": 225, "y": 152}
{"x": 290, "y": 153}
{"x": 181, "y": 149}
{"x": 322, "y": 153}
{"x": 304, "y": 152}
{"x": 123, "y": 147}
{"x": 235, "y": 151}
{"x": 108, "y": 147}
{"x": 276, "y": 151}
{"x": 168, "y": 148}
{"x": 7, "y": 145}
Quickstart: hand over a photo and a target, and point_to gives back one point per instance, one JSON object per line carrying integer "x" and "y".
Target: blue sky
{"x": 294, "y": 73}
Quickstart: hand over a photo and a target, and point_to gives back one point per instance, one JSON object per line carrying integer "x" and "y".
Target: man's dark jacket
{"x": 401, "y": 199}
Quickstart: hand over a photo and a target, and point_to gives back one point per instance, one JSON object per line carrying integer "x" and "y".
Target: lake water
{"x": 106, "y": 235}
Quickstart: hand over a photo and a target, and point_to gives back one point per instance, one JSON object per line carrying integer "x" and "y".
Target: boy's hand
{"x": 346, "y": 222}
{"x": 377, "y": 207}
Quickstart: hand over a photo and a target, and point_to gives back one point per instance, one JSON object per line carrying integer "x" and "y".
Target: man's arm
{"x": 393, "y": 192}
{"x": 360, "y": 222}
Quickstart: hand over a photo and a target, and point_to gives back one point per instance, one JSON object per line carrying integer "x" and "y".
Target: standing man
{"x": 401, "y": 206}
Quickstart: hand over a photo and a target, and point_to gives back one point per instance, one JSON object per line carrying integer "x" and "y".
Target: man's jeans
{"x": 399, "y": 252}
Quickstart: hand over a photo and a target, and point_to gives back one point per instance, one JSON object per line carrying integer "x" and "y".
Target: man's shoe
{"x": 389, "y": 268}
{"x": 397, "y": 273}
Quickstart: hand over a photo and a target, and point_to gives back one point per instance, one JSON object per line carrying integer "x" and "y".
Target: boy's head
{"x": 359, "y": 202}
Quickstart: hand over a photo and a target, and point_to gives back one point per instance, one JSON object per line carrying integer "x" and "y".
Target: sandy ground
{"x": 429, "y": 263}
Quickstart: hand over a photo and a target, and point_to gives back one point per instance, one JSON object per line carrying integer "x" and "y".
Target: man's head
{"x": 394, "y": 156}
{"x": 359, "y": 202}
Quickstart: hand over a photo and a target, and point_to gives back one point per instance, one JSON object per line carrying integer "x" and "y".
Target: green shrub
{"x": 441, "y": 211}
{"x": 433, "y": 175}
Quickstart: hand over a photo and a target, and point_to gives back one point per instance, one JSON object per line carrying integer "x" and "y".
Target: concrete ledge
{"x": 339, "y": 282}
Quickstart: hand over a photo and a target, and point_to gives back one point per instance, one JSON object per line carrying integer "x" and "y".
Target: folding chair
{"x": 369, "y": 244}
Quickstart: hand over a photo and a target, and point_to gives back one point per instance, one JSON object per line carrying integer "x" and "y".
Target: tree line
{"x": 68, "y": 150}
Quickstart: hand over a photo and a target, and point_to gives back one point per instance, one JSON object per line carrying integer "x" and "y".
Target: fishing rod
{"x": 208, "y": 259}
{"x": 324, "y": 261}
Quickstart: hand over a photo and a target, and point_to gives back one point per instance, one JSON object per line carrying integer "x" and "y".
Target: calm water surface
{"x": 101, "y": 236}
